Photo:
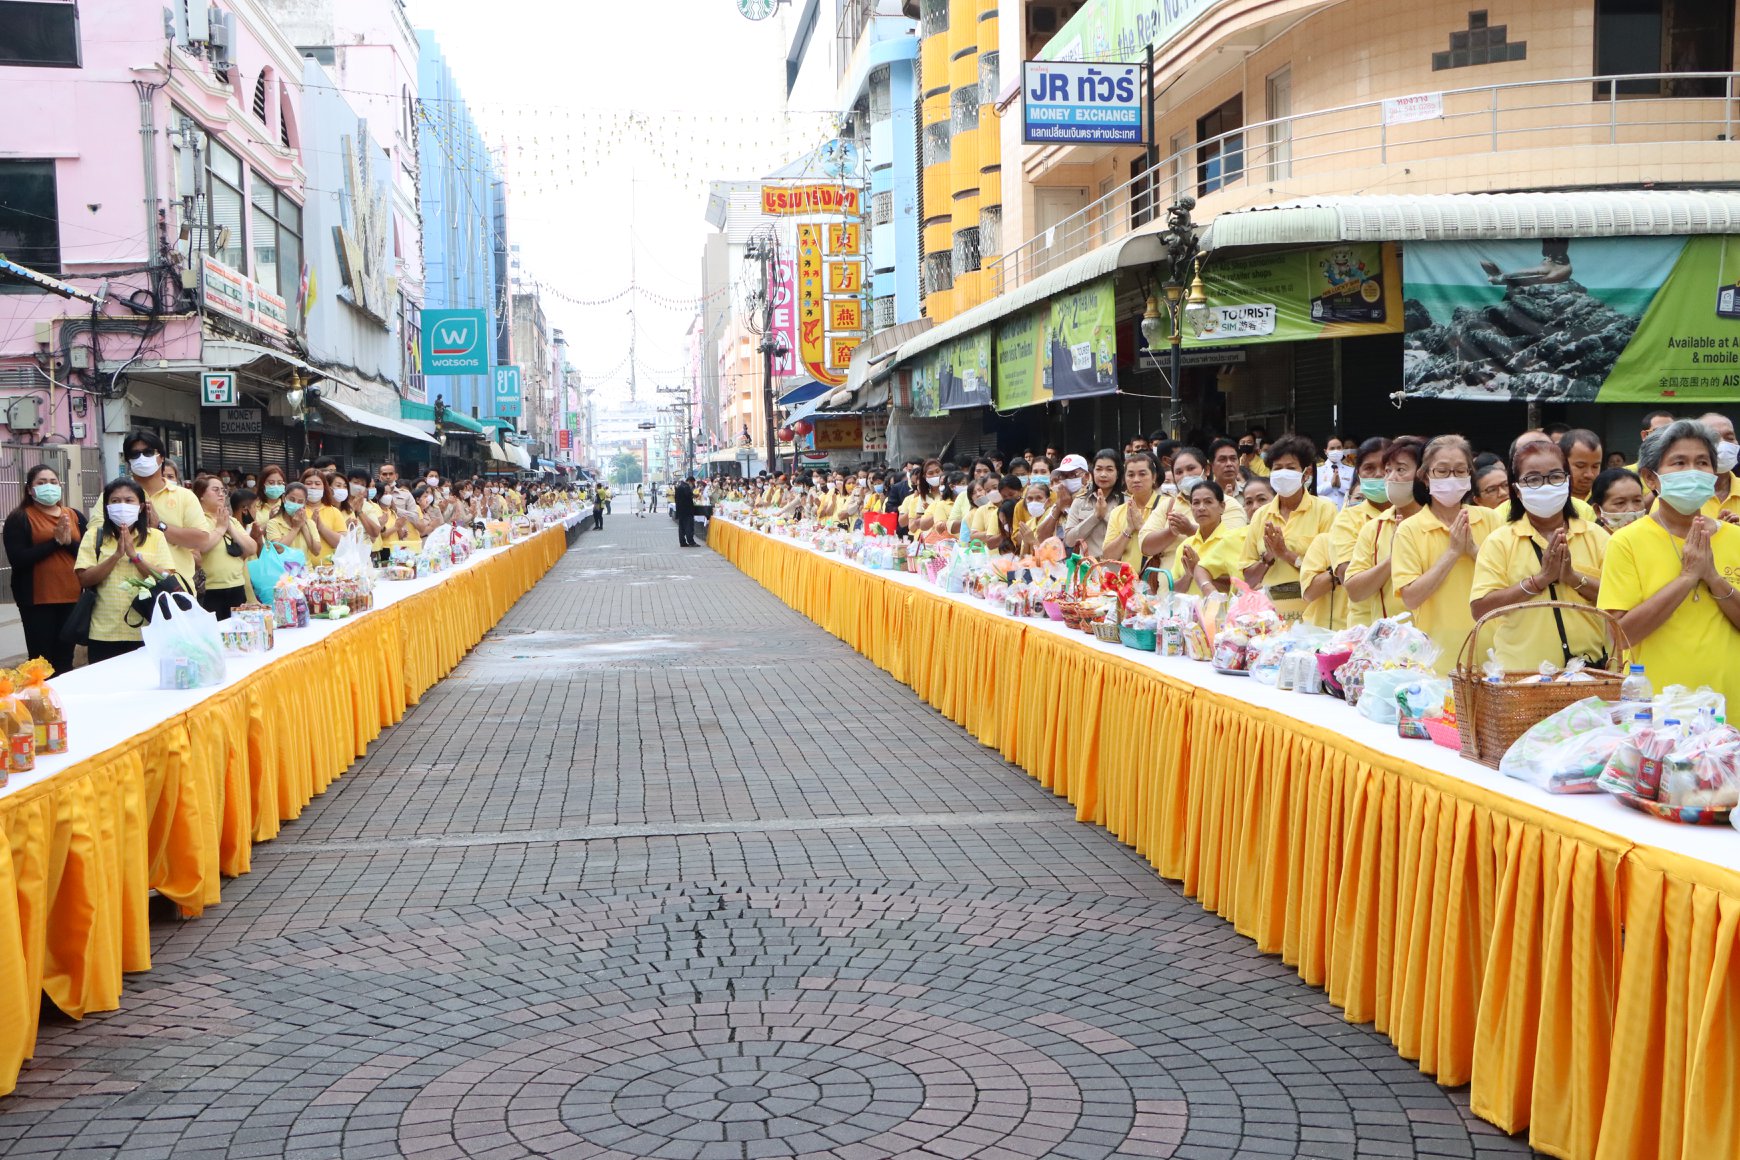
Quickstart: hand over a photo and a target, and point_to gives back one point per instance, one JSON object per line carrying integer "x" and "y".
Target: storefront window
{"x": 1663, "y": 36}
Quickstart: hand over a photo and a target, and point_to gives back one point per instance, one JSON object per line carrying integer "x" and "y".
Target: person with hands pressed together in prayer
{"x": 1671, "y": 575}
{"x": 294, "y": 526}
{"x": 1208, "y": 559}
{"x": 122, "y": 544}
{"x": 225, "y": 565}
{"x": 1433, "y": 564}
{"x": 1282, "y": 530}
{"x": 174, "y": 510}
{"x": 1545, "y": 551}
{"x": 1124, "y": 525}
{"x": 1084, "y": 530}
{"x": 1370, "y": 569}
{"x": 42, "y": 537}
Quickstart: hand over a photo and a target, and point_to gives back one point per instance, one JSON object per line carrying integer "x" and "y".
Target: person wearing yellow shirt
{"x": 960, "y": 486}
{"x": 982, "y": 522}
{"x": 1543, "y": 552}
{"x": 1367, "y": 500}
{"x": 1725, "y": 504}
{"x": 294, "y": 526}
{"x": 174, "y": 510}
{"x": 1171, "y": 522}
{"x": 1671, "y": 575}
{"x": 351, "y": 494}
{"x": 935, "y": 501}
{"x": 1433, "y": 564}
{"x": 1283, "y": 528}
{"x": 1124, "y": 525}
{"x": 911, "y": 509}
{"x": 324, "y": 516}
{"x": 1325, "y": 598}
{"x": 225, "y": 566}
{"x": 1370, "y": 573}
{"x": 121, "y": 543}
{"x": 1208, "y": 558}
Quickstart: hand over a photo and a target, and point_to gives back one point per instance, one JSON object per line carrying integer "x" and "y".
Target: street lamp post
{"x": 1184, "y": 261}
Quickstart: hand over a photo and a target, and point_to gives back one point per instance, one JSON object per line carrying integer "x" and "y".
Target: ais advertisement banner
{"x": 1610, "y": 320}
{"x": 1020, "y": 360}
{"x": 1340, "y": 291}
{"x": 1081, "y": 346}
{"x": 926, "y": 384}
{"x": 965, "y": 372}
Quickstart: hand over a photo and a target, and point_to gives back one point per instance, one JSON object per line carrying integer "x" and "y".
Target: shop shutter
{"x": 1313, "y": 388}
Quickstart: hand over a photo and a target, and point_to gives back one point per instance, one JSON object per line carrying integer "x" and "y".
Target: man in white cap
{"x": 1069, "y": 480}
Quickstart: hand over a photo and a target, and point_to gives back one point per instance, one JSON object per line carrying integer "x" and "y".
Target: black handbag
{"x": 77, "y": 629}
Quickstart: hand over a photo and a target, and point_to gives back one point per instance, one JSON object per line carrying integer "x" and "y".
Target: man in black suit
{"x": 686, "y": 514}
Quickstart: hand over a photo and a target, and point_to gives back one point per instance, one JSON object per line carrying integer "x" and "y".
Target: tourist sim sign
{"x": 455, "y": 342}
{"x": 1072, "y": 103}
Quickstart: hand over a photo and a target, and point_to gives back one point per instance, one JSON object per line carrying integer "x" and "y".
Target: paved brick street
{"x": 630, "y": 884}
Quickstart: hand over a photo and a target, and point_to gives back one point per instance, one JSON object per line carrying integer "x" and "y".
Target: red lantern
{"x": 785, "y": 434}
{"x": 803, "y": 426}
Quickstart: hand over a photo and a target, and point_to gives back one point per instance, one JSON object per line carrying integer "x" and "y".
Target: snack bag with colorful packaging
{"x": 18, "y": 729}
{"x": 44, "y": 705}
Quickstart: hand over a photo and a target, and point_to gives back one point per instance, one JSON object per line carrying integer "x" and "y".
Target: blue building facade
{"x": 879, "y": 91}
{"x": 461, "y": 226}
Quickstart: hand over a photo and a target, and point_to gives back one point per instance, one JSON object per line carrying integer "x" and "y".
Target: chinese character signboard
{"x": 507, "y": 392}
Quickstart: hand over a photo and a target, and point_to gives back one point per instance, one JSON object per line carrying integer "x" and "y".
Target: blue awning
{"x": 803, "y": 394}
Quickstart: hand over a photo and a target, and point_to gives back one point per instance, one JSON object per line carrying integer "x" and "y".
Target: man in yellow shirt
{"x": 1725, "y": 504}
{"x": 177, "y": 514}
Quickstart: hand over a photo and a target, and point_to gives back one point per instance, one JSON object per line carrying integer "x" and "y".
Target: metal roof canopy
{"x": 1442, "y": 217}
{"x": 1139, "y": 249}
{"x": 802, "y": 394}
{"x": 358, "y": 417}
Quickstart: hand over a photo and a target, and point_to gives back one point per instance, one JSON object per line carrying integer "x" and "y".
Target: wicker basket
{"x": 1108, "y": 630}
{"x": 1491, "y": 717}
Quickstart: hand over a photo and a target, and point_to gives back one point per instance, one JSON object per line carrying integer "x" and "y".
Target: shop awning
{"x": 519, "y": 456}
{"x": 1444, "y": 217}
{"x": 426, "y": 413}
{"x": 1136, "y": 250}
{"x": 357, "y": 417}
{"x": 803, "y": 394}
{"x": 872, "y": 362}
{"x": 228, "y": 353}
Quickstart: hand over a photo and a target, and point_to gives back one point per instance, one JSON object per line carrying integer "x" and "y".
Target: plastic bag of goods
{"x": 184, "y": 641}
{"x": 46, "y": 712}
{"x": 1567, "y": 752}
{"x": 18, "y": 729}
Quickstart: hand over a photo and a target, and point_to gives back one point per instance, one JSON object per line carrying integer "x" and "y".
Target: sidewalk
{"x": 663, "y": 870}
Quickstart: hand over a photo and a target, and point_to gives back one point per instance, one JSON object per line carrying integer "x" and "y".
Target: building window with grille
{"x": 990, "y": 230}
{"x": 882, "y": 208}
{"x": 39, "y": 33}
{"x": 939, "y": 275}
{"x": 933, "y": 17}
{"x": 966, "y": 252}
{"x": 1220, "y": 159}
{"x": 938, "y": 144}
{"x": 963, "y": 110}
{"x": 989, "y": 77}
{"x": 277, "y": 243}
{"x": 29, "y": 218}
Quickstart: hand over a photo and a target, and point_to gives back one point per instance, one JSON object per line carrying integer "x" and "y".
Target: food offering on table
{"x": 19, "y": 729}
{"x": 290, "y": 602}
{"x": 262, "y": 616}
{"x": 1682, "y": 769}
{"x": 1390, "y": 644}
{"x": 46, "y": 712}
{"x": 183, "y": 640}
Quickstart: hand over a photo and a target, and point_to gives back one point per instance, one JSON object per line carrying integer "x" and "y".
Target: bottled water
{"x": 1637, "y": 686}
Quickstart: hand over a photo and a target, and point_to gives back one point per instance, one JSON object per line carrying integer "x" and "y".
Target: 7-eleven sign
{"x": 217, "y": 389}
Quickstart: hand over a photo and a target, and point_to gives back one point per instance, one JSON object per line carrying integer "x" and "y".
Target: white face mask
{"x": 989, "y": 497}
{"x": 1617, "y": 520}
{"x": 340, "y": 494}
{"x": 1188, "y": 484}
{"x": 1286, "y": 481}
{"x": 144, "y": 465}
{"x": 433, "y": 481}
{"x": 1546, "y": 500}
{"x": 1169, "y": 489}
{"x": 123, "y": 515}
{"x": 1336, "y": 456}
{"x": 1727, "y": 455}
{"x": 934, "y": 480}
{"x": 316, "y": 494}
{"x": 1448, "y": 490}
{"x": 1401, "y": 492}
{"x": 1074, "y": 485}
{"x": 1035, "y": 507}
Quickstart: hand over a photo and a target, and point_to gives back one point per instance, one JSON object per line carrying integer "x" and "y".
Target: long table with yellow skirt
{"x": 1577, "y": 964}
{"x": 168, "y": 790}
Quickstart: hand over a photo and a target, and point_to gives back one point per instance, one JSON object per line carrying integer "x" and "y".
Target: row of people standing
{"x": 147, "y": 524}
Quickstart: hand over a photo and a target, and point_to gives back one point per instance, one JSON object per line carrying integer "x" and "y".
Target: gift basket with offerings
{"x": 46, "y": 712}
{"x": 1495, "y": 707}
{"x": 1116, "y": 582}
{"x": 1140, "y": 629}
{"x": 19, "y": 730}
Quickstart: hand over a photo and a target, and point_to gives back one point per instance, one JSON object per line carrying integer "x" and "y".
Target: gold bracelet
{"x": 1730, "y": 595}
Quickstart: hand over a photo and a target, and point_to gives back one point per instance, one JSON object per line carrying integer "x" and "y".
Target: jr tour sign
{"x": 1072, "y": 103}
{"x": 455, "y": 342}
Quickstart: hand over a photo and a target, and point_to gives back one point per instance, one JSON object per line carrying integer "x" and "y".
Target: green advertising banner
{"x": 965, "y": 372}
{"x": 1081, "y": 348}
{"x": 1340, "y": 291}
{"x": 1121, "y": 29}
{"x": 926, "y": 386}
{"x": 1610, "y": 320}
{"x": 1020, "y": 358}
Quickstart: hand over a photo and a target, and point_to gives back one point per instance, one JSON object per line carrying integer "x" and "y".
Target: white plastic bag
{"x": 353, "y": 556}
{"x": 1565, "y": 753}
{"x": 184, "y": 641}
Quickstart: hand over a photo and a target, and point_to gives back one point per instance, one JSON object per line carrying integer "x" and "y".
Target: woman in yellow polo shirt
{"x": 1433, "y": 563}
{"x": 982, "y": 520}
{"x": 1209, "y": 558}
{"x": 1671, "y": 575}
{"x": 1325, "y": 598}
{"x": 1124, "y": 525}
{"x": 1283, "y": 528}
{"x": 1370, "y": 571}
{"x": 120, "y": 545}
{"x": 1366, "y": 501}
{"x": 1544, "y": 551}
{"x": 225, "y": 565}
{"x": 323, "y": 515}
{"x": 293, "y": 526}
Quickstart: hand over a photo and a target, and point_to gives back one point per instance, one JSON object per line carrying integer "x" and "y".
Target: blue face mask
{"x": 47, "y": 494}
{"x": 291, "y": 507}
{"x": 1374, "y": 490}
{"x": 275, "y": 491}
{"x": 1040, "y": 477}
{"x": 1686, "y": 491}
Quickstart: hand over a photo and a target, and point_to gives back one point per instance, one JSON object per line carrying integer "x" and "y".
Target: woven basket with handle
{"x": 1491, "y": 717}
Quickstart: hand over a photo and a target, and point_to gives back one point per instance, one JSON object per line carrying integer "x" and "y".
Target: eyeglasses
{"x": 1551, "y": 479}
{"x": 1447, "y": 472}
{"x": 1495, "y": 489}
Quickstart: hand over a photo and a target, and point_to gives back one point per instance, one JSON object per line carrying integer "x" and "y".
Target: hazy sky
{"x": 614, "y": 116}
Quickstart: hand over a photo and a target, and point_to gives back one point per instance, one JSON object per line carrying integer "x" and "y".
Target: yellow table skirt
{"x": 178, "y": 807}
{"x": 1587, "y": 989}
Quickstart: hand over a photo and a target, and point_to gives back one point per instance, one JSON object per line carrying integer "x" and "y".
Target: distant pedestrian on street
{"x": 598, "y": 494}
{"x": 686, "y": 514}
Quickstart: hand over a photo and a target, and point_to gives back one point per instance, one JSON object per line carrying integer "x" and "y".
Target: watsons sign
{"x": 1081, "y": 104}
{"x": 1108, "y": 29}
{"x": 455, "y": 342}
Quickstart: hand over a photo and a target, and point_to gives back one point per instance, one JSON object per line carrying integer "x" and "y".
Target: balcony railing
{"x": 1302, "y": 153}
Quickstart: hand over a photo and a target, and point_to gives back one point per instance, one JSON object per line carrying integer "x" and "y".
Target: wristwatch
{"x": 161, "y": 526}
